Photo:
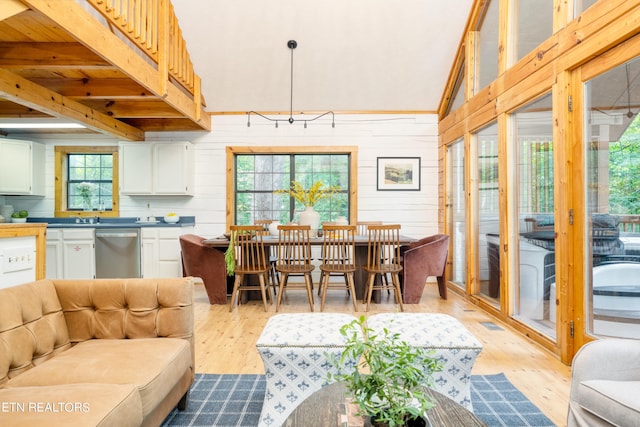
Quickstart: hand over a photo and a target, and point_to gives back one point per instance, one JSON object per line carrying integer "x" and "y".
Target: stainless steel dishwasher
{"x": 117, "y": 253}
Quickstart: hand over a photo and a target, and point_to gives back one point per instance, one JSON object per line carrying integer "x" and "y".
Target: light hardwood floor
{"x": 225, "y": 342}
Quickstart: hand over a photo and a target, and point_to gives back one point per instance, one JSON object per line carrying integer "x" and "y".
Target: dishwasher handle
{"x": 107, "y": 234}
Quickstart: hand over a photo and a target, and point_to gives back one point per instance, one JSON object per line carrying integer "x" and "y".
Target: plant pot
{"x": 413, "y": 422}
{"x": 21, "y": 220}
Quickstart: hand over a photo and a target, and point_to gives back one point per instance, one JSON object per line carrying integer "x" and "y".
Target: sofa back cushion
{"x": 127, "y": 308}
{"x": 32, "y": 327}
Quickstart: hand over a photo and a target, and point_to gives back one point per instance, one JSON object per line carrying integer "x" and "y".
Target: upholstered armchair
{"x": 206, "y": 263}
{"x": 605, "y": 384}
{"x": 424, "y": 258}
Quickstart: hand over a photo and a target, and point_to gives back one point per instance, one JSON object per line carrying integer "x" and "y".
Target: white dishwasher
{"x": 117, "y": 253}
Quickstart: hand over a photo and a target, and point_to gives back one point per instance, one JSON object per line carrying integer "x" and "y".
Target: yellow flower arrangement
{"x": 311, "y": 196}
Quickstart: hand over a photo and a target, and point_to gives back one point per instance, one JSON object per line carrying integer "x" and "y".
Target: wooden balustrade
{"x": 629, "y": 223}
{"x": 153, "y": 27}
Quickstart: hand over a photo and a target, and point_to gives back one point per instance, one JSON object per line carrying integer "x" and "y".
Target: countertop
{"x": 123, "y": 222}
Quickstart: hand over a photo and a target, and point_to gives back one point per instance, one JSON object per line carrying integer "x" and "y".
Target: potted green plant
{"x": 389, "y": 384}
{"x": 20, "y": 216}
{"x": 308, "y": 198}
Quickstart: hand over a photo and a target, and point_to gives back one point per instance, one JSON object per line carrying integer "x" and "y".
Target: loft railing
{"x": 153, "y": 27}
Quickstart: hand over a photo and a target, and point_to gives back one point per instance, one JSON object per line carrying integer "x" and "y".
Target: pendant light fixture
{"x": 291, "y": 44}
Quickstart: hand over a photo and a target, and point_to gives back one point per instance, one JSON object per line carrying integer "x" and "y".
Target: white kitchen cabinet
{"x": 54, "y": 265}
{"x": 161, "y": 255}
{"x": 21, "y": 167}
{"x": 78, "y": 253}
{"x": 157, "y": 168}
{"x": 173, "y": 168}
{"x": 136, "y": 168}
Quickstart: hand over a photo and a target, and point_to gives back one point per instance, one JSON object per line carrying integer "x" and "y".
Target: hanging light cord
{"x": 291, "y": 44}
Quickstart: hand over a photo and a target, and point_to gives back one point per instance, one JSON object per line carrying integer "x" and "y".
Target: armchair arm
{"x": 428, "y": 257}
{"x": 607, "y": 359}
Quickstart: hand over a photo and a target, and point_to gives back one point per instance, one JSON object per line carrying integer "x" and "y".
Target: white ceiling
{"x": 352, "y": 55}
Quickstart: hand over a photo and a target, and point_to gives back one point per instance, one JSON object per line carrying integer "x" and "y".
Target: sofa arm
{"x": 127, "y": 308}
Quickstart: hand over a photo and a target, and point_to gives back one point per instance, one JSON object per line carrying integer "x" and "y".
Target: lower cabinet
{"x": 54, "y": 254}
{"x": 161, "y": 251}
{"x": 71, "y": 253}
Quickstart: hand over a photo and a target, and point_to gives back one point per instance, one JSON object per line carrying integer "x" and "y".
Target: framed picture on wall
{"x": 398, "y": 173}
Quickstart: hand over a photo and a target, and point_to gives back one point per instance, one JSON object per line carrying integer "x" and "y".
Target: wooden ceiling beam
{"x": 12, "y": 110}
{"x": 29, "y": 94}
{"x": 8, "y": 8}
{"x": 48, "y": 55}
{"x": 84, "y": 28}
{"x": 125, "y": 108}
{"x": 96, "y": 88}
{"x": 163, "y": 124}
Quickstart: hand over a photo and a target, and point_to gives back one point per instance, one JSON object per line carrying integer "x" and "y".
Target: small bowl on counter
{"x": 171, "y": 219}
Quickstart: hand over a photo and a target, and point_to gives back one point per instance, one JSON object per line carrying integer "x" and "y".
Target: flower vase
{"x": 311, "y": 218}
{"x": 86, "y": 205}
{"x": 273, "y": 228}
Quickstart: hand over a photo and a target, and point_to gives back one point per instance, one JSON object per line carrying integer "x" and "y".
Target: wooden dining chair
{"x": 383, "y": 258}
{"x": 338, "y": 257}
{"x": 294, "y": 258}
{"x": 271, "y": 252}
{"x": 249, "y": 259}
{"x": 363, "y": 227}
{"x": 363, "y": 230}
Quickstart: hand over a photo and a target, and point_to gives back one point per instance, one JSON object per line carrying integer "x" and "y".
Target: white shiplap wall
{"x": 375, "y": 136}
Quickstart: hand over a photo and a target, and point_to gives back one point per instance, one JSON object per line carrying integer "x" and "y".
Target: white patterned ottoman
{"x": 455, "y": 347}
{"x": 293, "y": 347}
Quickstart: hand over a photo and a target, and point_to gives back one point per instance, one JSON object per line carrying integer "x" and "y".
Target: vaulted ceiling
{"x": 63, "y": 59}
{"x": 355, "y": 55}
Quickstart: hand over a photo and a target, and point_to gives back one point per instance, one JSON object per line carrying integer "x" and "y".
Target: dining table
{"x": 361, "y": 246}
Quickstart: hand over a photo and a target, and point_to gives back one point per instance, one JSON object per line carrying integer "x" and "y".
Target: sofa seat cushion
{"x": 154, "y": 365}
{"x": 617, "y": 402}
{"x": 103, "y": 405}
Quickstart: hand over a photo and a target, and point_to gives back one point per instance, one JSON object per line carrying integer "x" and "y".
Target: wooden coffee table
{"x": 322, "y": 409}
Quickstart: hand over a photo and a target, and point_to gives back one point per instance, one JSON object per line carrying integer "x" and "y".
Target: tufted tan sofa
{"x": 104, "y": 352}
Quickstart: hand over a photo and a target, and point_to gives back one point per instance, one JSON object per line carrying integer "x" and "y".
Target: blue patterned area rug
{"x": 236, "y": 400}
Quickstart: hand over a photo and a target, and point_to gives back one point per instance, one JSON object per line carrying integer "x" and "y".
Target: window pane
{"x": 488, "y": 213}
{"x": 612, "y": 177}
{"x": 534, "y": 22}
{"x": 456, "y": 205}
{"x": 259, "y": 175}
{"x": 582, "y": 5}
{"x": 534, "y": 158}
{"x": 487, "y": 58}
{"x": 90, "y": 182}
